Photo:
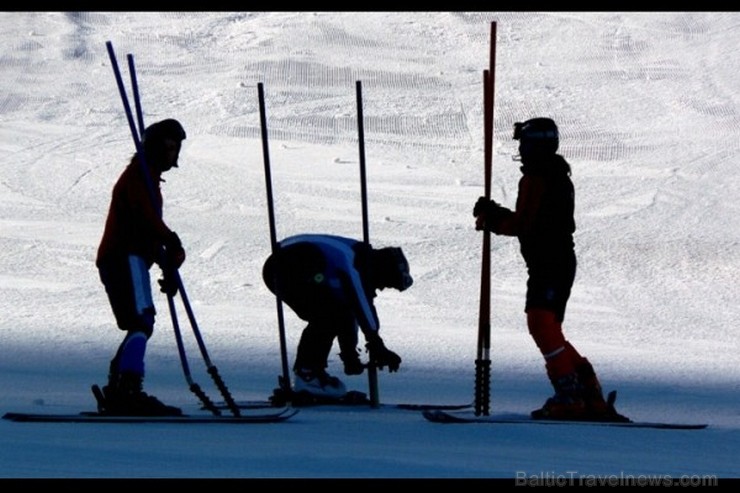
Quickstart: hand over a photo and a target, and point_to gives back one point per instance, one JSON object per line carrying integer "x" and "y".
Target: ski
{"x": 96, "y": 417}
{"x": 442, "y": 416}
{"x": 257, "y": 404}
{"x": 353, "y": 398}
{"x": 431, "y": 407}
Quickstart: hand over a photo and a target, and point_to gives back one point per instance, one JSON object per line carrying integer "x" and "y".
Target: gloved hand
{"x": 380, "y": 356}
{"x": 489, "y": 214}
{"x": 485, "y": 206}
{"x": 175, "y": 254}
{"x": 168, "y": 284}
{"x": 481, "y": 206}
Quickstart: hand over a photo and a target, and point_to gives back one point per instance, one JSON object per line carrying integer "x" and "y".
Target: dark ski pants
{"x": 318, "y": 337}
{"x": 128, "y": 286}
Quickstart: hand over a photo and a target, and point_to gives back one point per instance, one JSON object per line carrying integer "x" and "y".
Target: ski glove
{"x": 174, "y": 253}
{"x": 171, "y": 260}
{"x": 489, "y": 214}
{"x": 168, "y": 284}
{"x": 482, "y": 205}
{"x": 380, "y": 356}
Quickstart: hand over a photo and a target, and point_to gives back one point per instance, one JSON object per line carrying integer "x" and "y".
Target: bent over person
{"x": 331, "y": 282}
{"x": 136, "y": 237}
{"x": 543, "y": 221}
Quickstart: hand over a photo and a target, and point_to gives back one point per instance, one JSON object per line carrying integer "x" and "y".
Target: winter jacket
{"x": 318, "y": 273}
{"x": 543, "y": 220}
{"x": 134, "y": 225}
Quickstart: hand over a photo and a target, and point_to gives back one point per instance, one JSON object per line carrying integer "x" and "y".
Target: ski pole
{"x": 211, "y": 368}
{"x": 284, "y": 381}
{"x": 194, "y": 387}
{"x": 372, "y": 371}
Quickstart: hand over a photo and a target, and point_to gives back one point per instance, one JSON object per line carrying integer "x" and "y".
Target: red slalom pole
{"x": 483, "y": 356}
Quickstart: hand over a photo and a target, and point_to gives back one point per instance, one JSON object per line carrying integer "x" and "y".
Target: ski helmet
{"x": 156, "y": 134}
{"x": 392, "y": 268}
{"x": 538, "y": 137}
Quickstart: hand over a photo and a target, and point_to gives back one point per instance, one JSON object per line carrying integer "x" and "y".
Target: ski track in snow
{"x": 425, "y": 117}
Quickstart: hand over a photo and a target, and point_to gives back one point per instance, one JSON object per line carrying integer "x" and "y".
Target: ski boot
{"x": 123, "y": 396}
{"x": 597, "y": 408}
{"x": 319, "y": 384}
{"x": 567, "y": 404}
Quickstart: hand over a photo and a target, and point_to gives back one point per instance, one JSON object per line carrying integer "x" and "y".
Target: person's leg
{"x": 548, "y": 291}
{"x": 315, "y": 345}
{"x": 312, "y": 357}
{"x": 129, "y": 291}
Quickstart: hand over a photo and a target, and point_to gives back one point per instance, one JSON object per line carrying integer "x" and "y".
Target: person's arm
{"x": 144, "y": 204}
{"x": 151, "y": 221}
{"x": 521, "y": 221}
{"x": 354, "y": 289}
{"x": 367, "y": 318}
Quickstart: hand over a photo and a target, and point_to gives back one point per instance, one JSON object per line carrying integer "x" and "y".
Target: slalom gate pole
{"x": 483, "y": 360}
{"x": 284, "y": 381}
{"x": 194, "y": 387}
{"x": 363, "y": 181}
{"x": 135, "y": 91}
{"x": 372, "y": 371}
{"x": 483, "y": 356}
{"x": 132, "y": 127}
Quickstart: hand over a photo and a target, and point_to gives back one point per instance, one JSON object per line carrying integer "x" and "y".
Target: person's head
{"x": 538, "y": 138}
{"x": 391, "y": 269}
{"x": 162, "y": 141}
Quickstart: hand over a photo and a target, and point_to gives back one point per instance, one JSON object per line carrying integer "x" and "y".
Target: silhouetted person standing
{"x": 135, "y": 235}
{"x": 543, "y": 221}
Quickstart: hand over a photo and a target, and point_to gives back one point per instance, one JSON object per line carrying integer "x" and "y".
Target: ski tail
{"x": 610, "y": 400}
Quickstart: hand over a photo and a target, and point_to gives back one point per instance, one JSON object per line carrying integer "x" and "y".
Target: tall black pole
{"x": 284, "y": 381}
{"x": 363, "y": 180}
{"x": 372, "y": 371}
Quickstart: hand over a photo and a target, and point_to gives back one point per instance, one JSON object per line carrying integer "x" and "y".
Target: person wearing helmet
{"x": 135, "y": 237}
{"x": 331, "y": 282}
{"x": 543, "y": 221}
